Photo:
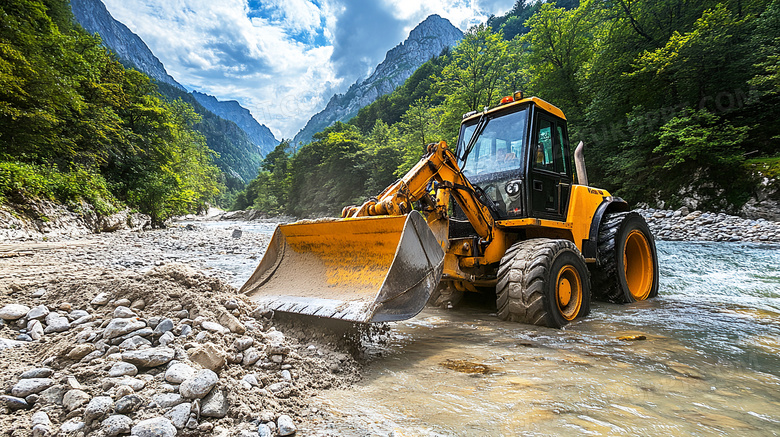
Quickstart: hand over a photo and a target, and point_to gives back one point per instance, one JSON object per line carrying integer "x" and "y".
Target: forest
{"x": 79, "y": 128}
{"x": 673, "y": 98}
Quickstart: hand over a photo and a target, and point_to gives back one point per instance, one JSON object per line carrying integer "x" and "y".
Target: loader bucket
{"x": 368, "y": 269}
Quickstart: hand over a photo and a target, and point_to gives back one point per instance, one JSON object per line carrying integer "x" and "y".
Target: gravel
{"x": 684, "y": 225}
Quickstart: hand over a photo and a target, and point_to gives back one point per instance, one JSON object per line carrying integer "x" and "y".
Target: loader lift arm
{"x": 438, "y": 165}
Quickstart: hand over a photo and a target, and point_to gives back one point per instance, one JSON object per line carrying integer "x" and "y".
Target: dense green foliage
{"x": 237, "y": 156}
{"x": 671, "y": 97}
{"x": 78, "y": 127}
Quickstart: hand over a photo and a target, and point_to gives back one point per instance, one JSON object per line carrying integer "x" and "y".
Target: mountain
{"x": 233, "y": 111}
{"x": 230, "y": 129}
{"x": 425, "y": 41}
{"x": 95, "y": 18}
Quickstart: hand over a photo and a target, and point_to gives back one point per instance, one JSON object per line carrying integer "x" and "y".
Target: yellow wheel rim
{"x": 638, "y": 265}
{"x": 568, "y": 292}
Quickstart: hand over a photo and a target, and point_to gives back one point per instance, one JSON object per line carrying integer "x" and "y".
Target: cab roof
{"x": 552, "y": 109}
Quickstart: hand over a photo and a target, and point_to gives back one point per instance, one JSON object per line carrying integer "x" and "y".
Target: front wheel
{"x": 543, "y": 282}
{"x": 627, "y": 268}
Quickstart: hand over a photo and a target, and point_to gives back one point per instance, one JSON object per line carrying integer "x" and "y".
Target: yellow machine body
{"x": 382, "y": 259}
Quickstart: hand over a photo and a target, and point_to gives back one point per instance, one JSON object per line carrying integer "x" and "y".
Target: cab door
{"x": 550, "y": 169}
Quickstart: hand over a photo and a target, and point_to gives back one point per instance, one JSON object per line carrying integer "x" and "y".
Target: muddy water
{"x": 709, "y": 363}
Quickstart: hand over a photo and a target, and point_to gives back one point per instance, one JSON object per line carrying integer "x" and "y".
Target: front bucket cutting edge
{"x": 368, "y": 269}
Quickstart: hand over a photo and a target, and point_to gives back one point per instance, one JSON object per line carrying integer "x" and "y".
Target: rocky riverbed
{"x": 112, "y": 334}
{"x": 685, "y": 225}
{"x": 143, "y": 332}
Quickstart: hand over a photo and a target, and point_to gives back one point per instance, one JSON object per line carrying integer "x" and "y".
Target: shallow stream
{"x": 709, "y": 364}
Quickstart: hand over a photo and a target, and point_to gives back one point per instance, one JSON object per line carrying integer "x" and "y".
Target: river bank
{"x": 667, "y": 225}
{"x": 110, "y": 332}
{"x": 180, "y": 284}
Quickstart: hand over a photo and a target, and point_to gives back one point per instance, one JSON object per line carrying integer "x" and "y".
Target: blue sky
{"x": 282, "y": 59}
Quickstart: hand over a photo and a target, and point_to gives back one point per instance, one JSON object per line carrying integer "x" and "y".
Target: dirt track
{"x": 159, "y": 275}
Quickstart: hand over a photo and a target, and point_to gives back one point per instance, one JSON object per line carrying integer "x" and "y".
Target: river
{"x": 709, "y": 364}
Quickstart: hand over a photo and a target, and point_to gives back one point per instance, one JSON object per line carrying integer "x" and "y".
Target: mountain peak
{"x": 95, "y": 18}
{"x": 424, "y": 42}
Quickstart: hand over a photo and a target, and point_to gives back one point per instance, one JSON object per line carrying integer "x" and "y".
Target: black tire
{"x": 532, "y": 280}
{"x": 627, "y": 264}
{"x": 445, "y": 296}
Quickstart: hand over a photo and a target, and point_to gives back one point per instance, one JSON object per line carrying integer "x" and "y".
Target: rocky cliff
{"x": 425, "y": 41}
{"x": 95, "y": 18}
{"x": 233, "y": 111}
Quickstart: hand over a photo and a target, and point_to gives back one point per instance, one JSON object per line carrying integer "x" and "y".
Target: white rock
{"x": 178, "y": 373}
{"x": 100, "y": 299}
{"x": 166, "y": 338}
{"x": 116, "y": 424}
{"x": 134, "y": 383}
{"x": 74, "y": 399}
{"x": 167, "y": 400}
{"x": 251, "y": 379}
{"x": 285, "y": 425}
{"x": 42, "y": 431}
{"x": 56, "y": 324}
{"x": 121, "y": 312}
{"x": 264, "y": 431}
{"x": 77, "y": 314}
{"x": 38, "y": 372}
{"x": 38, "y": 312}
{"x": 134, "y": 343}
{"x": 215, "y": 404}
{"x": 13, "y": 311}
{"x": 199, "y": 385}
{"x": 26, "y": 387}
{"x": 213, "y": 327}
{"x": 40, "y": 418}
{"x": 251, "y": 356}
{"x": 154, "y": 427}
{"x": 179, "y": 415}
{"x": 97, "y": 408}
{"x": 35, "y": 330}
{"x": 122, "y": 369}
{"x": 71, "y": 426}
{"x": 120, "y": 327}
{"x": 243, "y": 343}
{"x": 151, "y": 357}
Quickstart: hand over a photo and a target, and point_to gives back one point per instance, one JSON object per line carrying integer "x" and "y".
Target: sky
{"x": 282, "y": 59}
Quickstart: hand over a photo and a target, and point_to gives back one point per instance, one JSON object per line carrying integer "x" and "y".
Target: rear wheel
{"x": 543, "y": 282}
{"x": 627, "y": 268}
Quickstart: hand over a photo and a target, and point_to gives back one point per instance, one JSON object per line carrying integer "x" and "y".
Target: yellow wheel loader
{"x": 500, "y": 213}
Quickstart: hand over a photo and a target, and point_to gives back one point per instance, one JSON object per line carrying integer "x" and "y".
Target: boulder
{"x": 116, "y": 424}
{"x": 28, "y": 386}
{"x": 151, "y": 357}
{"x": 121, "y": 326}
{"x": 13, "y": 311}
{"x": 215, "y": 404}
{"x": 199, "y": 385}
{"x": 208, "y": 355}
{"x": 154, "y": 427}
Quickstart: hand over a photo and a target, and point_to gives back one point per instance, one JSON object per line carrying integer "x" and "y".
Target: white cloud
{"x": 282, "y": 59}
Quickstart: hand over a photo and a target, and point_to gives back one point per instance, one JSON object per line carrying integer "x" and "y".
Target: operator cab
{"x": 520, "y": 158}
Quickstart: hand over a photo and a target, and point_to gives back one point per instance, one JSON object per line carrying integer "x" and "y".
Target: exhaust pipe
{"x": 579, "y": 162}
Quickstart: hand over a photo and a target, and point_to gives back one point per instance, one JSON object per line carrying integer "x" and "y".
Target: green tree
{"x": 481, "y": 70}
{"x": 557, "y": 46}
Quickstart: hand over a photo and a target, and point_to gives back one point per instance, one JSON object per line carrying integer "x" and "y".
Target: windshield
{"x": 498, "y": 148}
{"x": 496, "y": 157}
